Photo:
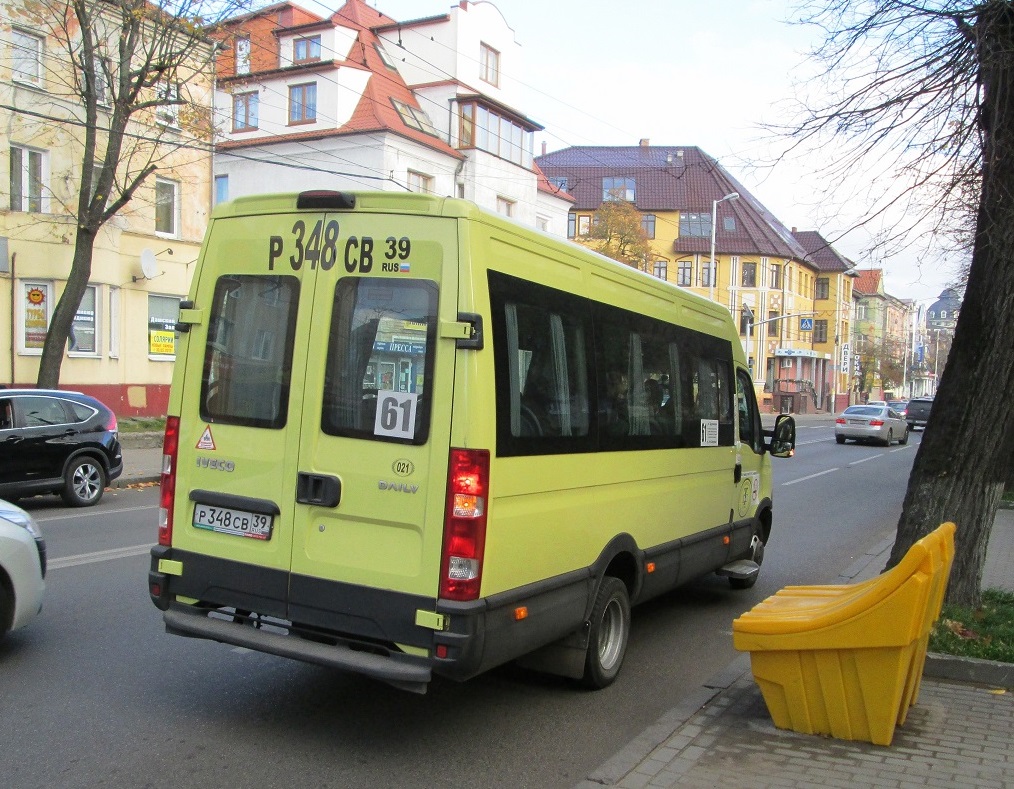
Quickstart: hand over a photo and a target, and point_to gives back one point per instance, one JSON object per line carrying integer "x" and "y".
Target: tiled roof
{"x": 821, "y": 253}
{"x": 545, "y": 186}
{"x": 674, "y": 178}
{"x": 869, "y": 282}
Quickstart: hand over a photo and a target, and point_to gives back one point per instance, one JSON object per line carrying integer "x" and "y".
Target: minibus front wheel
{"x": 608, "y": 634}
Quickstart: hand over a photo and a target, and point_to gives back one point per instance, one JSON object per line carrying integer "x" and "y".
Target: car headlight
{"x": 25, "y": 521}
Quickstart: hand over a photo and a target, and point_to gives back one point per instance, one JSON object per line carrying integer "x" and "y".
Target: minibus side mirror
{"x": 783, "y": 437}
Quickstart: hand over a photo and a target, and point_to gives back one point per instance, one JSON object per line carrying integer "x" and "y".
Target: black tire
{"x": 904, "y": 439}
{"x": 84, "y": 482}
{"x": 890, "y": 438}
{"x": 607, "y": 637}
{"x": 6, "y": 611}
{"x": 840, "y": 439}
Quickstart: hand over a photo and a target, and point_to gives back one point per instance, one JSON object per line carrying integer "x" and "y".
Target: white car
{"x": 22, "y": 568}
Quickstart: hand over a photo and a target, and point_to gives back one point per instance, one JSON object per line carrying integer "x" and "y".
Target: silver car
{"x": 877, "y": 423}
{"x": 22, "y": 568}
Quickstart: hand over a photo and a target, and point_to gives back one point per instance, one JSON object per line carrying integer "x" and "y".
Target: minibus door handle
{"x": 737, "y": 473}
{"x": 320, "y": 490}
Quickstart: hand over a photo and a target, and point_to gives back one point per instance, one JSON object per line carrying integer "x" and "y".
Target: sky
{"x": 706, "y": 74}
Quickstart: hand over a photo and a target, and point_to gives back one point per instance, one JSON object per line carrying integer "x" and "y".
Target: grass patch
{"x": 141, "y": 424}
{"x": 986, "y": 633}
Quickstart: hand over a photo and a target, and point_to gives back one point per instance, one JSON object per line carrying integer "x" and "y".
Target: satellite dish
{"x": 148, "y": 266}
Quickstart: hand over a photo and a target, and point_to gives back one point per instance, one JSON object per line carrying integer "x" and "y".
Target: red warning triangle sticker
{"x": 206, "y": 442}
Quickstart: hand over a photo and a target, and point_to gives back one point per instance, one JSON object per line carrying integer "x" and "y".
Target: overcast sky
{"x": 684, "y": 73}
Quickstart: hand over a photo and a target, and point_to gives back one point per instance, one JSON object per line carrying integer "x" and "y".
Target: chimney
{"x": 793, "y": 231}
{"x": 543, "y": 147}
{"x": 645, "y": 142}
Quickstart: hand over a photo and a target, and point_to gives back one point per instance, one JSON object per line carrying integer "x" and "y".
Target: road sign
{"x": 806, "y": 324}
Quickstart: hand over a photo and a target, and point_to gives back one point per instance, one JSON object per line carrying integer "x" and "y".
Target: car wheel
{"x": 607, "y": 638}
{"x": 84, "y": 482}
{"x": 840, "y": 439}
{"x": 6, "y": 610}
{"x": 904, "y": 439}
{"x": 890, "y": 438}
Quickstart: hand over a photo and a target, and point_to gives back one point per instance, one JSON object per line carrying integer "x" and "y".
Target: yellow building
{"x": 711, "y": 236}
{"x": 122, "y": 343}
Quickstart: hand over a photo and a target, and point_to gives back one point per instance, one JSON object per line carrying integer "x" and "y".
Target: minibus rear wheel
{"x": 607, "y": 637}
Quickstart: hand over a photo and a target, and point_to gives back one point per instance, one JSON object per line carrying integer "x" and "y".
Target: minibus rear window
{"x": 380, "y": 360}
{"x": 248, "y": 358}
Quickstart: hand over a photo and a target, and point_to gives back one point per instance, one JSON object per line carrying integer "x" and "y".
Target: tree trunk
{"x": 66, "y": 309}
{"x": 963, "y": 462}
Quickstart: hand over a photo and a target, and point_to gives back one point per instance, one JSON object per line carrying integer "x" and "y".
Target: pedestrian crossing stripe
{"x": 207, "y": 441}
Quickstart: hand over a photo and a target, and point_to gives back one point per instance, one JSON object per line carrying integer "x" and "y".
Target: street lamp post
{"x": 714, "y": 220}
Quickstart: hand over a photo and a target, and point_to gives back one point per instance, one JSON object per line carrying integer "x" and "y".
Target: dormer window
{"x": 306, "y": 50}
{"x": 414, "y": 118}
{"x": 618, "y": 189}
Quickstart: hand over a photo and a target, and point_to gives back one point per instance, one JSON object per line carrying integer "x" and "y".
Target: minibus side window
{"x": 380, "y": 360}
{"x": 248, "y": 357}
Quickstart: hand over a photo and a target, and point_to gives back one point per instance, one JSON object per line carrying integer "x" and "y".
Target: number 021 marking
{"x": 395, "y": 414}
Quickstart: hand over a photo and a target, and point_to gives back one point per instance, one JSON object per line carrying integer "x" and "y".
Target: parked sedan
{"x": 52, "y": 441}
{"x": 878, "y": 423}
{"x": 901, "y": 406}
{"x": 22, "y": 568}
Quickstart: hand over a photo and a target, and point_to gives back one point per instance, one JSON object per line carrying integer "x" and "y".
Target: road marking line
{"x": 98, "y": 556}
{"x": 811, "y": 476}
{"x": 871, "y": 457}
{"x": 89, "y": 514}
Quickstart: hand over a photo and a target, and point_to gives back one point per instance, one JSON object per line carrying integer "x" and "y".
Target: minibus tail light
{"x": 464, "y": 524}
{"x": 167, "y": 487}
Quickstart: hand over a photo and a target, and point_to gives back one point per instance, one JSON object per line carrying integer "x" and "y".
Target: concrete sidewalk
{"x": 960, "y": 733}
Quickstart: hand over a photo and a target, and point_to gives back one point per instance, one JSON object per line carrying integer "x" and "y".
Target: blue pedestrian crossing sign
{"x": 806, "y": 324}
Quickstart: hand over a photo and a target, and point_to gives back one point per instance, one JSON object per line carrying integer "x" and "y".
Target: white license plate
{"x": 226, "y": 521}
{"x": 857, "y": 422}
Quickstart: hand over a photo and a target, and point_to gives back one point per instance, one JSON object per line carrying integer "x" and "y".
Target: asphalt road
{"x": 95, "y": 693}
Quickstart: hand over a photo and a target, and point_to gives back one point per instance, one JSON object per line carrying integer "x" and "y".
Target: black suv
{"x": 52, "y": 441}
{"x": 918, "y": 412}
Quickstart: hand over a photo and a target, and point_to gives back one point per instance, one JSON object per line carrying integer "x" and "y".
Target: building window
{"x": 823, "y": 287}
{"x": 221, "y": 188}
{"x": 306, "y": 50}
{"x": 820, "y": 331}
{"x": 244, "y": 111}
{"x": 560, "y": 182}
{"x": 303, "y": 103}
{"x": 745, "y": 319}
{"x": 695, "y": 225}
{"x": 505, "y": 206}
{"x": 706, "y": 267}
{"x": 167, "y": 93}
{"x": 417, "y": 182}
{"x": 685, "y": 273}
{"x": 28, "y": 176}
{"x": 414, "y": 118}
{"x": 775, "y": 276}
{"x": 243, "y": 55}
{"x": 37, "y": 309}
{"x": 490, "y": 131}
{"x": 648, "y": 225}
{"x": 166, "y": 207}
{"x": 163, "y": 312}
{"x": 583, "y": 225}
{"x": 102, "y": 86}
{"x": 729, "y": 224}
{"x": 27, "y": 58}
{"x": 749, "y": 275}
{"x": 489, "y": 65}
{"x": 385, "y": 57}
{"x": 661, "y": 269}
{"x": 84, "y": 328}
{"x": 774, "y": 325}
{"x": 571, "y": 225}
{"x": 618, "y": 189}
